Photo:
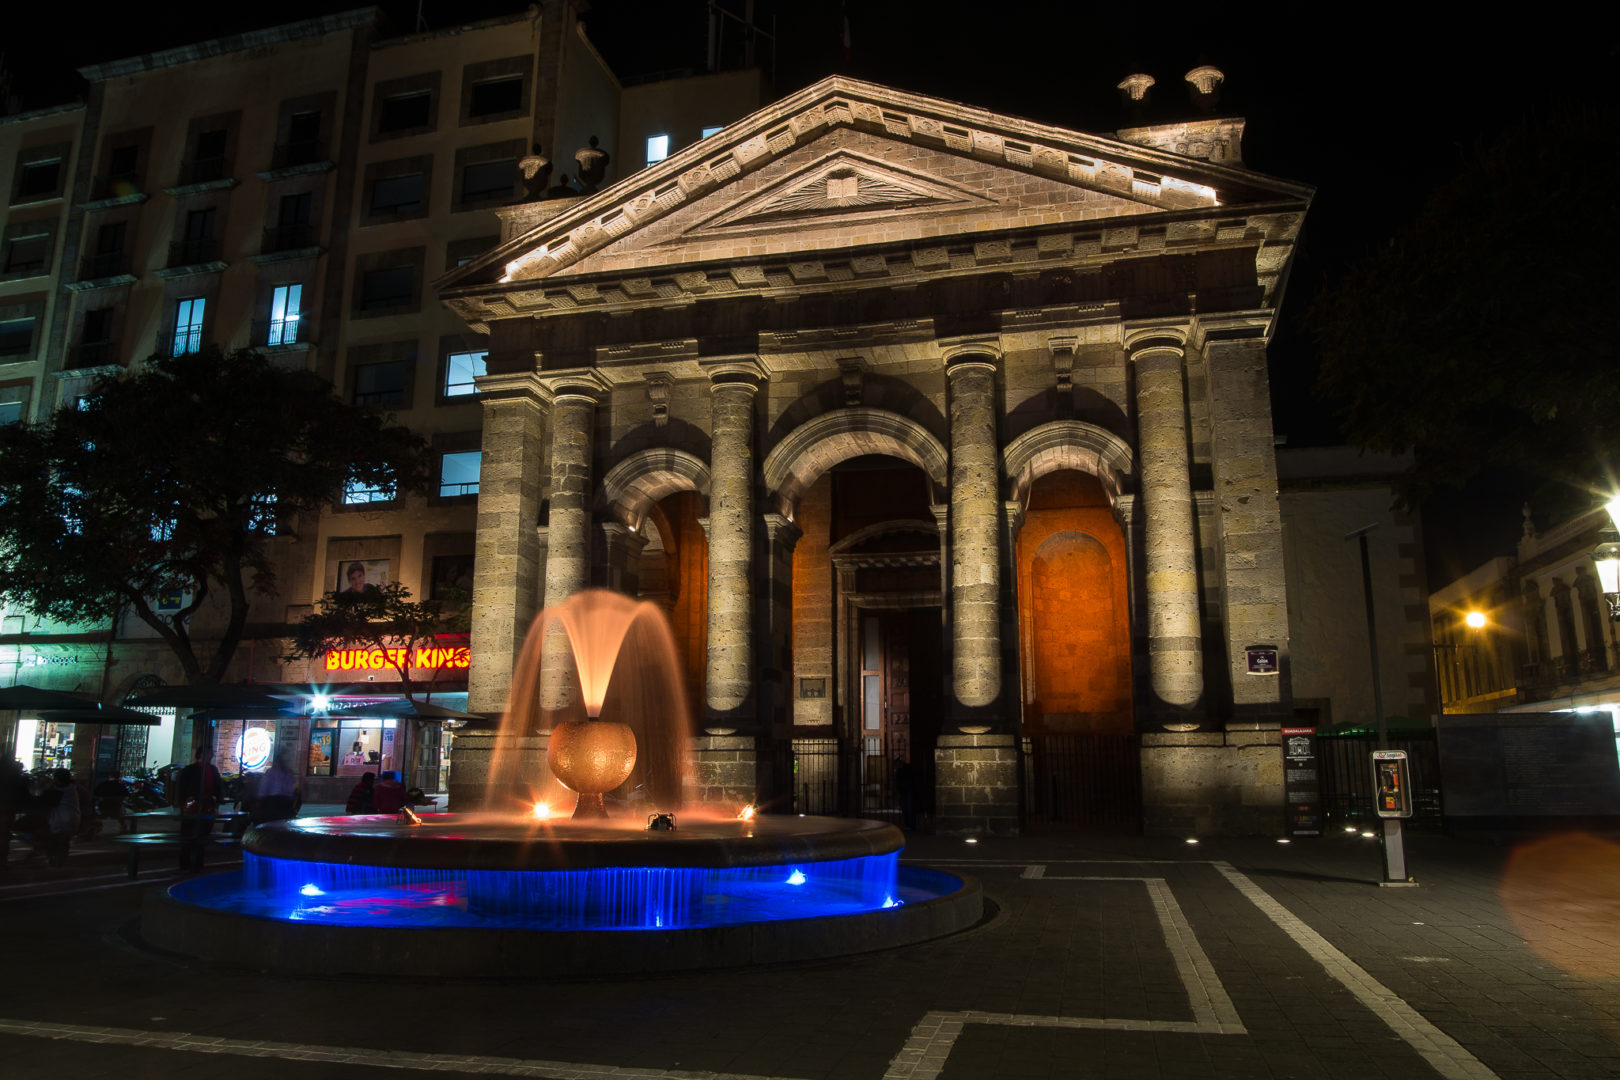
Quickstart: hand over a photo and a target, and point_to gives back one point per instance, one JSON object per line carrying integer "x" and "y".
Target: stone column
{"x": 568, "y": 534}
{"x": 1170, "y": 558}
{"x": 506, "y": 581}
{"x": 729, "y": 676}
{"x": 975, "y": 557}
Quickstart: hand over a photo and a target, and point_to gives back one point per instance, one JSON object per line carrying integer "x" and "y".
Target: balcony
{"x": 193, "y": 251}
{"x": 121, "y": 185}
{"x": 92, "y": 354}
{"x": 280, "y": 333}
{"x": 204, "y": 170}
{"x": 105, "y": 265}
{"x": 291, "y": 155}
{"x": 294, "y": 236}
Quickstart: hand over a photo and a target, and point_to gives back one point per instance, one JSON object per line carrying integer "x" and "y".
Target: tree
{"x": 1481, "y": 338}
{"x": 171, "y": 480}
{"x": 382, "y": 619}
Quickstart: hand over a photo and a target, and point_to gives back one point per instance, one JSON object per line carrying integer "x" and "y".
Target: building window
{"x": 712, "y": 131}
{"x": 458, "y": 473}
{"x": 390, "y": 287}
{"x": 496, "y": 96}
{"x": 657, "y": 148}
{"x": 198, "y": 245}
{"x": 262, "y": 514}
{"x": 10, "y": 412}
{"x": 303, "y": 139}
{"x": 460, "y": 369}
{"x": 108, "y": 257}
{"x": 207, "y": 162}
{"x": 38, "y": 180}
{"x": 188, "y": 325}
{"x": 393, "y": 196}
{"x": 95, "y": 346}
{"x": 286, "y": 311}
{"x": 16, "y": 336}
{"x": 27, "y": 255}
{"x": 402, "y": 112}
{"x": 488, "y": 180}
{"x": 291, "y": 230}
{"x": 380, "y": 384}
{"x": 355, "y": 747}
{"x": 361, "y": 492}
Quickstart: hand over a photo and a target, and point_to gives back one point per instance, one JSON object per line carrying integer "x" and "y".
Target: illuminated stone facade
{"x": 974, "y": 415}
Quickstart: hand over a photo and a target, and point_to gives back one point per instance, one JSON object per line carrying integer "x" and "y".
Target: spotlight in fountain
{"x": 660, "y": 822}
{"x": 746, "y": 813}
{"x": 540, "y": 810}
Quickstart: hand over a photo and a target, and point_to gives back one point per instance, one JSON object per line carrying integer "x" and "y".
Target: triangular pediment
{"x": 849, "y": 167}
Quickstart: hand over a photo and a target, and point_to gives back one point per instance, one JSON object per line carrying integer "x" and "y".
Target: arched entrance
{"x": 1082, "y": 768}
{"x": 864, "y": 488}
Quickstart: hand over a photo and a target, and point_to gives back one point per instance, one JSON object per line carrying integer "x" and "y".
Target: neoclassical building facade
{"x": 944, "y": 437}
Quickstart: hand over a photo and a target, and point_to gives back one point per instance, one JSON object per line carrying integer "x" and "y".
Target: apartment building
{"x": 295, "y": 189}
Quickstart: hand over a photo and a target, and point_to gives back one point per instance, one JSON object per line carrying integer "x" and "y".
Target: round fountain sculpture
{"x": 626, "y": 884}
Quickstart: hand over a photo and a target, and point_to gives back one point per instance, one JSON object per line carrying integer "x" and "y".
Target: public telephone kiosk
{"x": 1392, "y": 784}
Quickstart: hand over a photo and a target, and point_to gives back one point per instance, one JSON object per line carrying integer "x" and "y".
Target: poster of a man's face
{"x": 357, "y": 577}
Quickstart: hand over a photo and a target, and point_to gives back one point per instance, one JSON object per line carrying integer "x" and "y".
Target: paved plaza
{"x": 1106, "y": 957}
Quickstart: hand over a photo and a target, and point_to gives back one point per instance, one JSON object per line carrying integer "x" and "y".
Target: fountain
{"x": 635, "y": 880}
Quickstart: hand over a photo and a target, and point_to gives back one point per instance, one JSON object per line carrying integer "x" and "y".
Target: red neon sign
{"x": 369, "y": 659}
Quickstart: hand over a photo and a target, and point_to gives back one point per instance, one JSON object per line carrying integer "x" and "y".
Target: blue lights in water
{"x": 639, "y": 898}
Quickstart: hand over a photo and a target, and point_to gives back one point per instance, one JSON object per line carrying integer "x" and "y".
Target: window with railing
{"x": 381, "y": 383}
{"x": 188, "y": 325}
{"x": 27, "y": 255}
{"x": 488, "y": 180}
{"x": 458, "y": 473}
{"x": 394, "y": 196}
{"x": 207, "y": 161}
{"x": 387, "y": 287}
{"x": 286, "y": 315}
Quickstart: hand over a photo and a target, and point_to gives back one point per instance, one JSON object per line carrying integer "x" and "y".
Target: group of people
{"x": 51, "y": 818}
{"x": 66, "y": 809}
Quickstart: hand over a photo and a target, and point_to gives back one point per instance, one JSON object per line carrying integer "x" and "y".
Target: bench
{"x": 139, "y": 842}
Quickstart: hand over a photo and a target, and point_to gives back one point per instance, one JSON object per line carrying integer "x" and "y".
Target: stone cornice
{"x": 510, "y": 386}
{"x": 1082, "y": 246}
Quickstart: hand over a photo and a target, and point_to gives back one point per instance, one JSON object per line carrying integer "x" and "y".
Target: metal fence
{"x": 1082, "y": 782}
{"x": 859, "y": 779}
{"x": 1347, "y": 779}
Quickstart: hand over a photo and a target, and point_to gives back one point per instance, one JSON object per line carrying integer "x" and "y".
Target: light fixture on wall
{"x": 1607, "y": 557}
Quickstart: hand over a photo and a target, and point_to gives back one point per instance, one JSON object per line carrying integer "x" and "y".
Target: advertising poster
{"x": 320, "y": 750}
{"x": 1301, "y": 785}
{"x": 355, "y": 576}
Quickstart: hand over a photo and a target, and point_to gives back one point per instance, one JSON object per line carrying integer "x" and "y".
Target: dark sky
{"x": 1373, "y": 105}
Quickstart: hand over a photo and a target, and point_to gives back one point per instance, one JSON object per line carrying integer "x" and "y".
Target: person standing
{"x": 63, "y": 819}
{"x": 361, "y": 797}
{"x": 15, "y": 798}
{"x": 276, "y": 795}
{"x": 197, "y": 797}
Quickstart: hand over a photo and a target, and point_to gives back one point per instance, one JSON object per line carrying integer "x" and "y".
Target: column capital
{"x": 781, "y": 530}
{"x": 1143, "y": 341}
{"x": 743, "y": 372}
{"x": 585, "y": 383}
{"x": 513, "y": 386}
{"x": 981, "y": 354}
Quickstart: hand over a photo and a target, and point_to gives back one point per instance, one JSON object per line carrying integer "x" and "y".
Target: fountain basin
{"x": 465, "y": 895}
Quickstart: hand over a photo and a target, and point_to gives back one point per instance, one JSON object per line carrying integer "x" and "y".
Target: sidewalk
{"x": 1109, "y": 957}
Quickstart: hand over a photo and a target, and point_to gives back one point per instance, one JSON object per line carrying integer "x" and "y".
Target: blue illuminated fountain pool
{"x": 481, "y": 894}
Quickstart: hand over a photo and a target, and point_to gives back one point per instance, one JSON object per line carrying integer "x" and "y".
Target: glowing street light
{"x": 1607, "y": 557}
{"x": 1475, "y": 620}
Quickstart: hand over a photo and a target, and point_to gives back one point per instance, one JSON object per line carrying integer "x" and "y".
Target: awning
{"x": 23, "y": 696}
{"x": 113, "y": 714}
{"x": 212, "y": 696}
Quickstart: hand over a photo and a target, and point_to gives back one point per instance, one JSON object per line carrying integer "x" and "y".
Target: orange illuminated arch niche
{"x": 1074, "y": 620}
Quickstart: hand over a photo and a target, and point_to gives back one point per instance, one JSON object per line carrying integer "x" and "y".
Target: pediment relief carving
{"x": 842, "y": 185}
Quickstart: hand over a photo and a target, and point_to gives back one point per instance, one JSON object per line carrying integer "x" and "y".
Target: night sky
{"x": 1372, "y": 105}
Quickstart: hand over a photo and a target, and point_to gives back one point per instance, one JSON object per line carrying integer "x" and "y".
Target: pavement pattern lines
{"x": 925, "y": 1052}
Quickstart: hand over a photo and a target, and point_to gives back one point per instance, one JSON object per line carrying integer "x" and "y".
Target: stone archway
{"x": 816, "y": 446}
{"x": 1068, "y": 444}
{"x": 640, "y": 481}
